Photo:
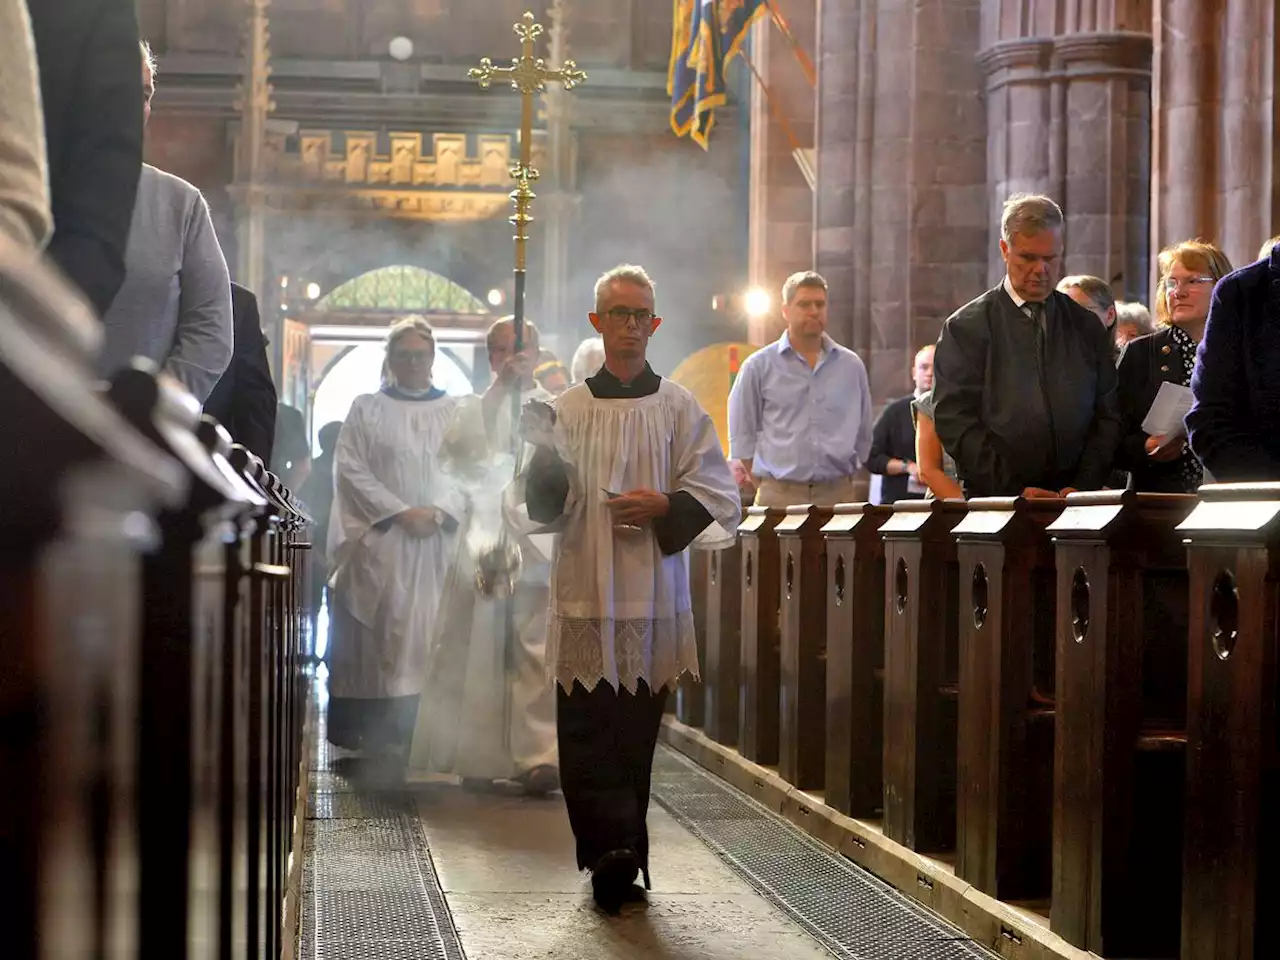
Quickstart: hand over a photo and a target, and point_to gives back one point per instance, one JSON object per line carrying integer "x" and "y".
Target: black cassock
{"x": 606, "y": 736}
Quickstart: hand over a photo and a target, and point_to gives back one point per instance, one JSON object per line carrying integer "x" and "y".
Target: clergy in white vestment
{"x": 629, "y": 467}
{"x": 391, "y": 532}
{"x": 488, "y": 710}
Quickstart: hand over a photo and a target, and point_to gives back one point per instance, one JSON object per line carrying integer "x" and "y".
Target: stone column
{"x": 781, "y": 217}
{"x": 1068, "y": 91}
{"x": 1214, "y": 123}
{"x": 1020, "y": 143}
{"x": 1107, "y": 131}
{"x": 901, "y": 218}
{"x": 839, "y": 105}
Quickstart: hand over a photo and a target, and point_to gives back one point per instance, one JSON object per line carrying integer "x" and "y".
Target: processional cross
{"x": 529, "y": 76}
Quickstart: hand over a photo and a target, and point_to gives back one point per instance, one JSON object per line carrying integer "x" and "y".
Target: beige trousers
{"x": 785, "y": 493}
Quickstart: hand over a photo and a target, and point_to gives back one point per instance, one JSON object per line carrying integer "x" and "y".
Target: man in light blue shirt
{"x": 800, "y": 412}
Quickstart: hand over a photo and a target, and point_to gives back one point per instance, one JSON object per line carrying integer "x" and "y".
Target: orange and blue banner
{"x": 706, "y": 35}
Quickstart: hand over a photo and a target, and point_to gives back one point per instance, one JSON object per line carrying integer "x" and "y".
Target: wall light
{"x": 758, "y": 303}
{"x": 496, "y": 297}
{"x": 313, "y": 291}
{"x": 400, "y": 48}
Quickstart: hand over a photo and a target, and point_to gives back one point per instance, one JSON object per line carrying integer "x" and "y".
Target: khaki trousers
{"x": 786, "y": 493}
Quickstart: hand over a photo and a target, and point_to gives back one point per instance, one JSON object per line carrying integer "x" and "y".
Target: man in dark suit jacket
{"x": 90, "y": 83}
{"x": 893, "y": 439}
{"x": 1234, "y": 423}
{"x": 244, "y": 401}
{"x": 1024, "y": 377}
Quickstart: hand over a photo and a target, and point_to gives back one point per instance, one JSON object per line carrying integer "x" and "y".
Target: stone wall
{"x": 901, "y": 211}
{"x": 1215, "y": 124}
{"x": 1068, "y": 115}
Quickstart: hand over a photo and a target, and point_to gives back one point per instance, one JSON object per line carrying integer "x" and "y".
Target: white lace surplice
{"x": 620, "y": 609}
{"x": 387, "y": 580}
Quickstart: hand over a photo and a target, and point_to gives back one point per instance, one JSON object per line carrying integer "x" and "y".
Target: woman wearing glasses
{"x": 1165, "y": 464}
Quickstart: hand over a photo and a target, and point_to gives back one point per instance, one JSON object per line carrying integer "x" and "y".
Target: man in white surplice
{"x": 390, "y": 533}
{"x": 630, "y": 469}
{"x": 488, "y": 710}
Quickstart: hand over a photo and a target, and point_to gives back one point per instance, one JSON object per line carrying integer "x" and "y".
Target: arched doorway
{"x": 358, "y": 370}
{"x": 347, "y": 332}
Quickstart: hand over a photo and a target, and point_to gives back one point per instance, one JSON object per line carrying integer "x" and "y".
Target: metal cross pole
{"x": 529, "y": 75}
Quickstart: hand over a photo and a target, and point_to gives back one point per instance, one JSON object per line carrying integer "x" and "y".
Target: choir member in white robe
{"x": 488, "y": 710}
{"x": 391, "y": 531}
{"x": 633, "y": 473}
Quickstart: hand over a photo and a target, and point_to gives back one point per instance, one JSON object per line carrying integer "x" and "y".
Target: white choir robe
{"x": 488, "y": 710}
{"x": 621, "y": 628}
{"x": 621, "y": 610}
{"x": 386, "y": 582}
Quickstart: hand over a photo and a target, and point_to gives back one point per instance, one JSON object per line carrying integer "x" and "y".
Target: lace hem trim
{"x": 621, "y": 652}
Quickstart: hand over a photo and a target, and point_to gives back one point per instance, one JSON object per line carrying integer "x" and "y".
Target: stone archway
{"x": 345, "y": 328}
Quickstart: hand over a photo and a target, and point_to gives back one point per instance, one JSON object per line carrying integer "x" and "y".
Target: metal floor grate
{"x": 369, "y": 888}
{"x": 851, "y": 912}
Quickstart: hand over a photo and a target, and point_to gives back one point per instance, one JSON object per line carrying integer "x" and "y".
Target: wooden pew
{"x": 181, "y": 679}
{"x": 921, "y": 674}
{"x": 1004, "y": 787}
{"x": 855, "y": 659}
{"x": 761, "y": 666}
{"x": 1229, "y": 894}
{"x": 690, "y": 694}
{"x": 262, "y": 931}
{"x": 276, "y": 814}
{"x": 233, "y": 774}
{"x": 723, "y": 665}
{"x": 78, "y": 494}
{"x": 802, "y": 591}
{"x": 1120, "y": 704}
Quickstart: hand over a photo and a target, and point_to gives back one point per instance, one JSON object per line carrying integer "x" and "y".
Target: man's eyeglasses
{"x": 1173, "y": 284}
{"x": 621, "y": 317}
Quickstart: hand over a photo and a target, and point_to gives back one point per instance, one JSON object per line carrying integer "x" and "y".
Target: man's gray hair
{"x": 1028, "y": 214}
{"x": 805, "y": 278}
{"x": 148, "y": 56}
{"x": 531, "y": 334}
{"x": 587, "y": 359}
{"x": 628, "y": 273}
{"x": 1095, "y": 288}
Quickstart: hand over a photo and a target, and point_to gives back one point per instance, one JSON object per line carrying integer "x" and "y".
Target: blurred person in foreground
{"x": 244, "y": 401}
{"x": 1234, "y": 423}
{"x": 88, "y": 57}
{"x": 174, "y": 307}
{"x": 25, "y": 216}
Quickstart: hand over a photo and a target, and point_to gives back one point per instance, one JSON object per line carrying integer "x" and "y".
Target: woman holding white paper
{"x": 1162, "y": 462}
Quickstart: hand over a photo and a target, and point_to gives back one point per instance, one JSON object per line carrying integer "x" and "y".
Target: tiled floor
{"x": 392, "y": 872}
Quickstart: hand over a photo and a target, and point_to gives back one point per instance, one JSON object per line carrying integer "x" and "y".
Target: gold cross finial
{"x": 528, "y": 75}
